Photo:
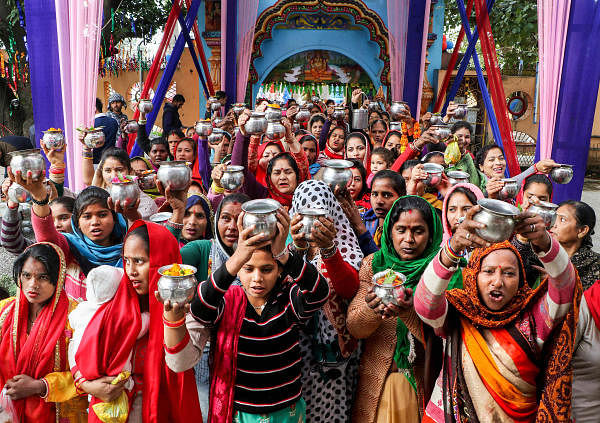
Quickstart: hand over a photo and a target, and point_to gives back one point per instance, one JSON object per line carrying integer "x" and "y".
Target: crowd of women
{"x": 289, "y": 328}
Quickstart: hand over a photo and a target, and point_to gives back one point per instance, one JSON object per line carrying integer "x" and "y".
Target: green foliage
{"x": 6, "y": 282}
{"x": 514, "y": 26}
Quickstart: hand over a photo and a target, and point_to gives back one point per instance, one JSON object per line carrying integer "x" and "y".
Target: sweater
{"x": 268, "y": 355}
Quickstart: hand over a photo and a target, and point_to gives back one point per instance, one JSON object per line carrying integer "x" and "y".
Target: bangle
{"x": 174, "y": 325}
{"x": 87, "y": 154}
{"x": 414, "y": 147}
{"x": 453, "y": 253}
{"x": 174, "y": 225}
{"x": 445, "y": 250}
{"x": 44, "y": 202}
{"x": 216, "y": 189}
{"x": 298, "y": 248}
{"x": 281, "y": 254}
{"x": 328, "y": 252}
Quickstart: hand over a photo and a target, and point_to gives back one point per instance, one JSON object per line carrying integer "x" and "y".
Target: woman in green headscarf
{"x": 396, "y": 377}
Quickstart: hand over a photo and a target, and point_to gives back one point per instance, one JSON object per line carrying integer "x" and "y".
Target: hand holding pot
{"x": 5, "y": 186}
{"x": 323, "y": 233}
{"x": 493, "y": 187}
{"x": 466, "y": 236}
{"x": 283, "y": 228}
{"x": 130, "y": 211}
{"x": 532, "y": 227}
{"x": 243, "y": 119}
{"x": 172, "y": 311}
{"x": 37, "y": 188}
{"x": 176, "y": 199}
{"x": 390, "y": 310}
{"x": 55, "y": 156}
{"x": 296, "y": 231}
{"x": 217, "y": 174}
{"x": 546, "y": 165}
{"x": 427, "y": 137}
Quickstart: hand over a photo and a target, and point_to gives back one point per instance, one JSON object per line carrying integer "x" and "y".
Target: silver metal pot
{"x": 177, "y": 289}
{"x": 28, "y": 160}
{"x": 233, "y": 177}
{"x": 160, "y": 218}
{"x": 262, "y": 215}
{"x": 145, "y": 106}
{"x": 315, "y": 99}
{"x": 147, "y": 180}
{"x": 238, "y": 108}
{"x": 203, "y": 127}
{"x": 436, "y": 119}
{"x": 388, "y": 293}
{"x": 546, "y": 210}
{"x": 562, "y": 174}
{"x": 374, "y": 106}
{"x": 461, "y": 111}
{"x": 499, "y": 218}
{"x": 126, "y": 192}
{"x": 303, "y": 115}
{"x": 434, "y": 174}
{"x": 132, "y": 127}
{"x": 215, "y": 105}
{"x": 309, "y": 217}
{"x": 273, "y": 113}
{"x": 457, "y": 177}
{"x": 395, "y": 126}
{"x": 339, "y": 113}
{"x": 216, "y": 136}
{"x": 360, "y": 118}
{"x": 398, "y": 109}
{"x": 95, "y": 138}
{"x": 309, "y": 105}
{"x": 256, "y": 124}
{"x": 509, "y": 190}
{"x": 216, "y": 121}
{"x": 275, "y": 130}
{"x": 441, "y": 131}
{"x": 54, "y": 139}
{"x": 337, "y": 173}
{"x": 175, "y": 174}
{"x": 17, "y": 194}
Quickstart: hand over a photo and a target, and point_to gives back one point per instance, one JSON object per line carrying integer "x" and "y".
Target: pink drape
{"x": 417, "y": 112}
{"x": 247, "y": 11}
{"x": 78, "y": 27}
{"x": 397, "y": 26}
{"x": 553, "y": 21}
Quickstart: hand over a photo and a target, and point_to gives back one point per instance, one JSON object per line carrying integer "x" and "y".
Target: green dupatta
{"x": 387, "y": 258}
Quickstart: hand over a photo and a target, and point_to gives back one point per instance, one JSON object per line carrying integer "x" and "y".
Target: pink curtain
{"x": 247, "y": 11}
{"x": 553, "y": 21}
{"x": 78, "y": 27}
{"x": 417, "y": 112}
{"x": 397, "y": 25}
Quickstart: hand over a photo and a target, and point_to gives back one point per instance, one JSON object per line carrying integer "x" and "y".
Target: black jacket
{"x": 170, "y": 119}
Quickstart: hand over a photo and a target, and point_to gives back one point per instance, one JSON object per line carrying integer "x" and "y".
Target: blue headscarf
{"x": 89, "y": 254}
{"x": 203, "y": 201}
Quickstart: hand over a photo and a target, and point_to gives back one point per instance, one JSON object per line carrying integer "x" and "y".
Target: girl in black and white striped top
{"x": 256, "y": 366}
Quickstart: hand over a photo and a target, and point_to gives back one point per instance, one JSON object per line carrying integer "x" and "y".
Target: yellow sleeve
{"x": 61, "y": 387}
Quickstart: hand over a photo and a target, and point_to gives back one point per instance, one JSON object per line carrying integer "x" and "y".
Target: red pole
{"x": 442, "y": 93}
{"x": 208, "y": 79}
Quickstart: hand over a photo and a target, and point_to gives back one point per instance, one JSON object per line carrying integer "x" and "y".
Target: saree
{"x": 493, "y": 355}
{"x": 111, "y": 335}
{"x": 40, "y": 354}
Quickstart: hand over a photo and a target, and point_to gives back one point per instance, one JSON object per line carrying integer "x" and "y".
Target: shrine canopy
{"x": 324, "y": 72}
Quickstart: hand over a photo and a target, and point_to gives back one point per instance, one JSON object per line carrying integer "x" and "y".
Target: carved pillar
{"x": 214, "y": 61}
{"x": 427, "y": 94}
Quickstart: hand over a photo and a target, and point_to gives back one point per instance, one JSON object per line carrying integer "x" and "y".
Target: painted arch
{"x": 278, "y": 14}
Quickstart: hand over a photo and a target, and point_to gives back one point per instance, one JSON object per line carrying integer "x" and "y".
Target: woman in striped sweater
{"x": 508, "y": 347}
{"x": 256, "y": 354}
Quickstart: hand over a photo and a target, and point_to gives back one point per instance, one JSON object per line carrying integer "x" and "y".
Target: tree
{"x": 514, "y": 26}
{"x": 148, "y": 17}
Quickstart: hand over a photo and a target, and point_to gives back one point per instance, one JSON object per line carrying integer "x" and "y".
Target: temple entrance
{"x": 326, "y": 73}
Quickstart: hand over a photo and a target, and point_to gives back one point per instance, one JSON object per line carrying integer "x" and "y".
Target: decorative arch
{"x": 362, "y": 15}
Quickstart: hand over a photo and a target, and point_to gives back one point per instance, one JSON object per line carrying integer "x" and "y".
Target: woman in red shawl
{"x": 333, "y": 148}
{"x": 34, "y": 335}
{"x": 159, "y": 395}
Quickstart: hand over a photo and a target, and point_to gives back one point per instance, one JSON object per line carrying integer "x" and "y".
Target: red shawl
{"x": 224, "y": 355}
{"x": 275, "y": 194}
{"x": 261, "y": 174}
{"x": 34, "y": 354}
{"x": 111, "y": 336}
{"x": 592, "y": 298}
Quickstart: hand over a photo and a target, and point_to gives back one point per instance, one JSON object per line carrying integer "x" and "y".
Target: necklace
{"x": 260, "y": 308}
